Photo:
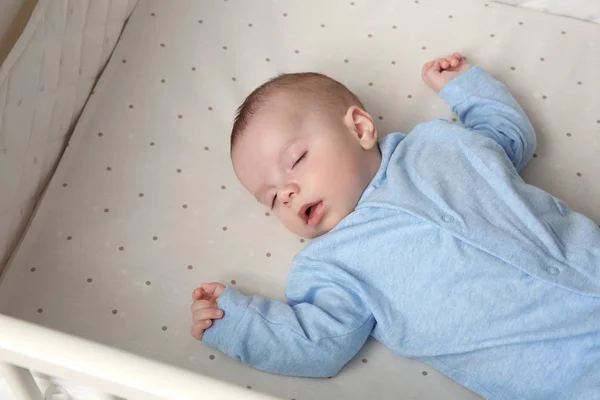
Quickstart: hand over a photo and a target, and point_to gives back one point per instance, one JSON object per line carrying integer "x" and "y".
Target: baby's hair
{"x": 327, "y": 91}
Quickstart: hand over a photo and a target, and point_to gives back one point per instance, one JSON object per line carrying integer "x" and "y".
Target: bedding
{"x": 144, "y": 204}
{"x": 44, "y": 83}
{"x": 588, "y": 10}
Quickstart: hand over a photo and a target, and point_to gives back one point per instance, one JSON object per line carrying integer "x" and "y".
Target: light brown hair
{"x": 327, "y": 91}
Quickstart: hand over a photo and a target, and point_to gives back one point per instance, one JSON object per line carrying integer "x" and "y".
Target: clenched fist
{"x": 438, "y": 73}
{"x": 205, "y": 308}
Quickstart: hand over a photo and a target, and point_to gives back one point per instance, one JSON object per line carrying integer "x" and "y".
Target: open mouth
{"x": 312, "y": 213}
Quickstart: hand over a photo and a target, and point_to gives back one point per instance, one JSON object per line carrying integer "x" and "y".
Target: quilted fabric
{"x": 144, "y": 205}
{"x": 582, "y": 9}
{"x": 44, "y": 84}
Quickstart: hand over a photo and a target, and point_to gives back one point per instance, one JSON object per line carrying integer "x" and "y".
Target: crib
{"x": 118, "y": 197}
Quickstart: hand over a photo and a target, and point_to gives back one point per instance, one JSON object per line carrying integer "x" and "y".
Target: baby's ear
{"x": 362, "y": 126}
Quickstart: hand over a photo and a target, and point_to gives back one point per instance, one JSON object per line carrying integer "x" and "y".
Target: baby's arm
{"x": 483, "y": 104}
{"x": 324, "y": 324}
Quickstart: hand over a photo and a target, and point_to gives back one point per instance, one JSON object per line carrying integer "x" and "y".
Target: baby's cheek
{"x": 290, "y": 223}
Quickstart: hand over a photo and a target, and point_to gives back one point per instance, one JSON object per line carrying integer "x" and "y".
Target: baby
{"x": 430, "y": 242}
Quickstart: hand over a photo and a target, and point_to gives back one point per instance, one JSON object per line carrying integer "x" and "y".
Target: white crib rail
{"x": 98, "y": 366}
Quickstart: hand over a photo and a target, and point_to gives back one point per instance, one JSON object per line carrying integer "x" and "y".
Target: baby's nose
{"x": 288, "y": 198}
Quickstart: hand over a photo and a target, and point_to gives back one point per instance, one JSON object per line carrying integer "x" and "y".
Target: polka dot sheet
{"x": 145, "y": 205}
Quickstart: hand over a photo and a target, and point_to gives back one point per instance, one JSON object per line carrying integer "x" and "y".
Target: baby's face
{"x": 310, "y": 166}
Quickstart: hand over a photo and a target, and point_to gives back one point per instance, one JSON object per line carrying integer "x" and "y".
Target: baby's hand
{"x": 204, "y": 308}
{"x": 438, "y": 73}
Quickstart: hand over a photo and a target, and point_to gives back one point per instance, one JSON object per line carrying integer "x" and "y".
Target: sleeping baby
{"x": 430, "y": 242}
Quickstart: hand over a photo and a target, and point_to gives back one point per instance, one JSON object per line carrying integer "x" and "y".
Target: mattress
{"x": 144, "y": 205}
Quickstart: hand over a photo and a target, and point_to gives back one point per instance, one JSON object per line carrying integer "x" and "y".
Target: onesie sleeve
{"x": 485, "y": 105}
{"x": 323, "y": 325}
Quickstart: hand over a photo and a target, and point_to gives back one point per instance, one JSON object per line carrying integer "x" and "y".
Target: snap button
{"x": 447, "y": 218}
{"x": 552, "y": 270}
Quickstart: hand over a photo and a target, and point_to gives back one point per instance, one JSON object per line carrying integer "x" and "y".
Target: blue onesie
{"x": 449, "y": 258}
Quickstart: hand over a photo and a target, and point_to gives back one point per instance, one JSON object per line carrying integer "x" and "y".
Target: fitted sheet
{"x": 144, "y": 205}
